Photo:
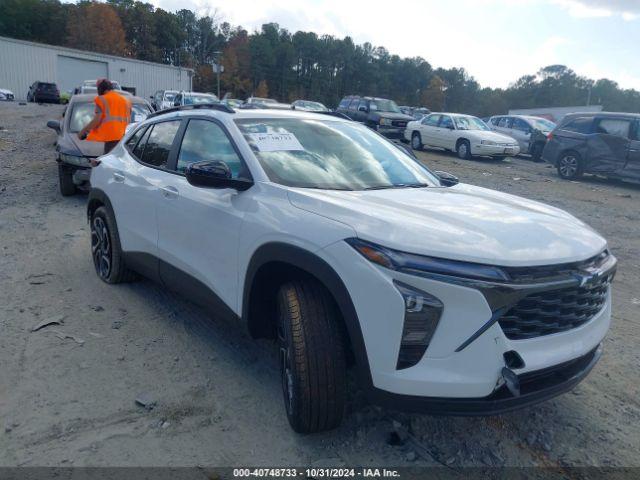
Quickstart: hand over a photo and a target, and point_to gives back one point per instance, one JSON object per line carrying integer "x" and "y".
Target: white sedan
{"x": 467, "y": 135}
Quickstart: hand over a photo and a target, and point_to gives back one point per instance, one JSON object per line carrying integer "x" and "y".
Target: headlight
{"x": 386, "y": 121}
{"x": 74, "y": 160}
{"x": 487, "y": 142}
{"x": 417, "y": 264}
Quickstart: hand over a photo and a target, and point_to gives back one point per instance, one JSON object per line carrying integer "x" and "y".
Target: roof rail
{"x": 205, "y": 106}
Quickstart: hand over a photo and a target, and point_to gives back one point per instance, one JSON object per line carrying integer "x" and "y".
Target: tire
{"x": 463, "y": 149}
{"x": 416, "y": 141}
{"x": 499, "y": 157}
{"x": 312, "y": 357}
{"x": 65, "y": 179}
{"x": 536, "y": 152}
{"x": 570, "y": 166}
{"x": 105, "y": 248}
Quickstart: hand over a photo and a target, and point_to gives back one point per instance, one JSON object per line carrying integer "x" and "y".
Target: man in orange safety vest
{"x": 112, "y": 115}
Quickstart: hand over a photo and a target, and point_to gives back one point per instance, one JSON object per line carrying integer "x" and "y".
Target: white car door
{"x": 134, "y": 189}
{"x": 198, "y": 227}
{"x": 428, "y": 128}
{"x": 447, "y": 134}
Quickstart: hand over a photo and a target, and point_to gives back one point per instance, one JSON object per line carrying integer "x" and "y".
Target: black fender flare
{"x": 315, "y": 266}
{"x": 97, "y": 195}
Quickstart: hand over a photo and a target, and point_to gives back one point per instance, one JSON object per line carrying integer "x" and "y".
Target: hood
{"x": 70, "y": 143}
{"x": 461, "y": 223}
{"x": 5, "y": 91}
{"x": 393, "y": 116}
{"x": 490, "y": 135}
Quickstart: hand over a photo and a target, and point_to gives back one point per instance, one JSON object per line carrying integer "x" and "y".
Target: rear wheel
{"x": 463, "y": 149}
{"x": 65, "y": 179}
{"x": 570, "y": 166}
{"x": 105, "y": 248}
{"x": 312, "y": 357}
{"x": 416, "y": 141}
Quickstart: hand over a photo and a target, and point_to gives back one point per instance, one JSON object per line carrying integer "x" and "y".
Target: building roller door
{"x": 72, "y": 71}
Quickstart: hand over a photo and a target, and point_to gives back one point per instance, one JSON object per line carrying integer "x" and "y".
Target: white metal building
{"x": 22, "y": 63}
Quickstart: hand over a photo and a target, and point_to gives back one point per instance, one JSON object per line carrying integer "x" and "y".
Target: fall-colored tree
{"x": 96, "y": 27}
{"x": 236, "y": 78}
{"x": 433, "y": 97}
{"x": 263, "y": 90}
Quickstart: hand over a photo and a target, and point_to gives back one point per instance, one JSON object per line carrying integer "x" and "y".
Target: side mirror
{"x": 214, "y": 174}
{"x": 363, "y": 109}
{"x": 54, "y": 125}
{"x": 446, "y": 179}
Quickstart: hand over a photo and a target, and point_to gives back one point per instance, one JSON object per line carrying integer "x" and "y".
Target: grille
{"x": 397, "y": 123}
{"x": 555, "y": 311}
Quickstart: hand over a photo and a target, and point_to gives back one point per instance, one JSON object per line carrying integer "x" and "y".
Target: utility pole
{"x": 218, "y": 68}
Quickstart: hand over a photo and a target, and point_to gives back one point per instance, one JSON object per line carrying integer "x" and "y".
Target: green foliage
{"x": 305, "y": 65}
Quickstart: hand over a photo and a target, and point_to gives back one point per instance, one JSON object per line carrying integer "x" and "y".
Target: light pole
{"x": 218, "y": 68}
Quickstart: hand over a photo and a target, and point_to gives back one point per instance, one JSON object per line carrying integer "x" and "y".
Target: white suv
{"x": 320, "y": 233}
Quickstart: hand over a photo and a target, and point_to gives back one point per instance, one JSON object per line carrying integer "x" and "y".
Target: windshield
{"x": 470, "y": 123}
{"x": 384, "y": 106}
{"x": 169, "y": 96}
{"x": 330, "y": 155}
{"x": 311, "y": 105}
{"x": 542, "y": 124}
{"x": 81, "y": 115}
{"x": 139, "y": 112}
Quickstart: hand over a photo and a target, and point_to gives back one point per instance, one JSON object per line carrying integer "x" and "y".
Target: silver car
{"x": 530, "y": 132}
{"x": 74, "y": 155}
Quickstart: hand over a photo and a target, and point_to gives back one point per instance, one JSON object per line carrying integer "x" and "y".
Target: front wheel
{"x": 65, "y": 179}
{"x": 570, "y": 166}
{"x": 312, "y": 357}
{"x": 416, "y": 141}
{"x": 463, "y": 149}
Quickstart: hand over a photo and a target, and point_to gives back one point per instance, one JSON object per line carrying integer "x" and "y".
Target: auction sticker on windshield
{"x": 275, "y": 142}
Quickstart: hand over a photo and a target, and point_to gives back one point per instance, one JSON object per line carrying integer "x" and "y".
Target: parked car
{"x": 530, "y": 132}
{"x": 232, "y": 102}
{"x": 74, "y": 155}
{"x": 259, "y": 100}
{"x": 6, "y": 95}
{"x": 43, "y": 92}
{"x": 90, "y": 87}
{"x": 380, "y": 114}
{"x": 330, "y": 239}
{"x": 164, "y": 99}
{"x": 194, "y": 98}
{"x": 269, "y": 103}
{"x": 601, "y": 143}
{"x": 466, "y": 135}
{"x": 308, "y": 106}
{"x": 418, "y": 113}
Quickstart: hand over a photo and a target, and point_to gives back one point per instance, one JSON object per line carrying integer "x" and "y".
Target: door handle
{"x": 118, "y": 177}
{"x": 169, "y": 192}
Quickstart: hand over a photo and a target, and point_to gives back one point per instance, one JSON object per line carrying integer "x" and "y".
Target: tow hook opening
{"x": 513, "y": 360}
{"x": 512, "y": 381}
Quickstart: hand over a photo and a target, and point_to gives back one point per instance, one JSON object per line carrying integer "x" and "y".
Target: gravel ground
{"x": 67, "y": 392}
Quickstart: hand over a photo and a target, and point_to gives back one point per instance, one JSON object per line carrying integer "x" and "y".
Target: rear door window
{"x": 520, "y": 125}
{"x": 431, "y": 120}
{"x": 495, "y": 121}
{"x": 619, "y": 127}
{"x": 344, "y": 103}
{"x": 446, "y": 122}
{"x": 158, "y": 145}
{"x": 579, "y": 125}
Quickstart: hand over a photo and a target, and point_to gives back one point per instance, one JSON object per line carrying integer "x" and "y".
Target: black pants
{"x": 108, "y": 146}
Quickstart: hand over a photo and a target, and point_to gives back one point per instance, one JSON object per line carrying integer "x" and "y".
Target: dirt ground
{"x": 67, "y": 392}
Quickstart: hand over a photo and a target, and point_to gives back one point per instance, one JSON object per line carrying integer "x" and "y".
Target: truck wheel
{"x": 312, "y": 357}
{"x": 416, "y": 141}
{"x": 65, "y": 178}
{"x": 463, "y": 149}
{"x": 105, "y": 248}
{"x": 570, "y": 166}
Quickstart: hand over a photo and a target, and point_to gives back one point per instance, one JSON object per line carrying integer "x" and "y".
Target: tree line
{"x": 285, "y": 65}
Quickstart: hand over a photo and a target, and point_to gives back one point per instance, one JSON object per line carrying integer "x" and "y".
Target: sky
{"x": 496, "y": 41}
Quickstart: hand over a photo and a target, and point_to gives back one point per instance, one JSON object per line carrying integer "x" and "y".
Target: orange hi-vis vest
{"x": 114, "y": 118}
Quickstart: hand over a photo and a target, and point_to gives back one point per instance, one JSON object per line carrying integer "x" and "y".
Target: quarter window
{"x": 158, "y": 145}
{"x": 206, "y": 141}
{"x": 344, "y": 103}
{"x": 495, "y": 120}
{"x": 133, "y": 141}
{"x": 138, "y": 150}
{"x": 614, "y": 126}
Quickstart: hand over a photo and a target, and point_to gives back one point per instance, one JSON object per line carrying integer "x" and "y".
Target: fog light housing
{"x": 422, "y": 313}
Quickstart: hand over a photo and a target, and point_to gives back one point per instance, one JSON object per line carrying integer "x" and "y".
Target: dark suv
{"x": 601, "y": 143}
{"x": 43, "y": 92}
{"x": 377, "y": 113}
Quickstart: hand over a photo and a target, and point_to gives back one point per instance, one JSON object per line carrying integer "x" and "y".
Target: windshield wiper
{"x": 398, "y": 185}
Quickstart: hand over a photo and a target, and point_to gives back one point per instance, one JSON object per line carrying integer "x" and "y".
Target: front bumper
{"x": 451, "y": 378}
{"x": 494, "y": 150}
{"x": 536, "y": 387}
{"x": 391, "y": 132}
